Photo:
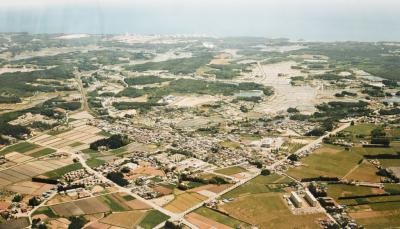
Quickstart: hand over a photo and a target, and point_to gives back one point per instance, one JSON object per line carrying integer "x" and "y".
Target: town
{"x": 131, "y": 131}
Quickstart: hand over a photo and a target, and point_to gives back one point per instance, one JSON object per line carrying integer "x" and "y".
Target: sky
{"x": 324, "y": 20}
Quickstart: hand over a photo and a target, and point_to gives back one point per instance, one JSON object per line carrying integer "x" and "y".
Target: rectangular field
{"x": 324, "y": 162}
{"x": 184, "y": 201}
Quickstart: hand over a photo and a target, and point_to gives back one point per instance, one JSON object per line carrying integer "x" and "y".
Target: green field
{"x": 364, "y": 172}
{"x": 220, "y": 218}
{"x": 75, "y": 144}
{"x": 58, "y": 173}
{"x": 152, "y": 219}
{"x": 112, "y": 203}
{"x": 42, "y": 152}
{"x": 342, "y": 190}
{"x": 46, "y": 211}
{"x": 22, "y": 147}
{"x": 268, "y": 210}
{"x": 324, "y": 162}
{"x": 260, "y": 184}
{"x": 361, "y": 129}
{"x": 375, "y": 150}
{"x": 231, "y": 170}
{"x": 392, "y": 188}
{"x": 94, "y": 162}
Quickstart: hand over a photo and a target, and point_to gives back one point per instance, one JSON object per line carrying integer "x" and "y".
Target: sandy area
{"x": 285, "y": 95}
{"x": 72, "y": 36}
{"x": 10, "y": 70}
{"x": 192, "y": 101}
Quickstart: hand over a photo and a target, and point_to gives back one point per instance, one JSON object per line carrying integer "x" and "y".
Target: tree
{"x": 265, "y": 172}
{"x": 378, "y": 136}
{"x": 113, "y": 142}
{"x": 172, "y": 225}
{"x": 293, "y": 157}
{"x": 42, "y": 226}
{"x": 292, "y": 110}
{"x": 77, "y": 222}
{"x": 17, "y": 198}
{"x": 33, "y": 201}
{"x": 118, "y": 178}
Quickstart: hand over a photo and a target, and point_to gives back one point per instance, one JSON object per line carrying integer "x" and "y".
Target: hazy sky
{"x": 367, "y": 20}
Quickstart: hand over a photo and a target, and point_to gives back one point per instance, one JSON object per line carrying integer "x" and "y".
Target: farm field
{"x": 124, "y": 219}
{"x": 152, "y": 219}
{"x": 376, "y": 150}
{"x": 231, "y": 170}
{"x": 22, "y": 147}
{"x": 360, "y": 129}
{"x": 364, "y": 172}
{"x": 342, "y": 190}
{"x": 30, "y": 169}
{"x": 212, "y": 215}
{"x": 57, "y": 173}
{"x": 184, "y": 201}
{"x": 324, "y": 162}
{"x": 29, "y": 187}
{"x": 377, "y": 212}
{"x": 260, "y": 184}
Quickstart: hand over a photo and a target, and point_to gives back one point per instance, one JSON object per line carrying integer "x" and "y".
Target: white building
{"x": 296, "y": 200}
{"x": 311, "y": 199}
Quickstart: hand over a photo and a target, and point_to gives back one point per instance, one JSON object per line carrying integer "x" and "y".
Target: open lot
{"x": 231, "y": 170}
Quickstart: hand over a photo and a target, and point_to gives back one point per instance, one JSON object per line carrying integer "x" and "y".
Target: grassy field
{"x": 364, "y": 172}
{"x": 152, "y": 219}
{"x": 342, "y": 190}
{"x": 220, "y": 218}
{"x": 22, "y": 147}
{"x": 58, "y": 173}
{"x": 389, "y": 162}
{"x": 231, "y": 170}
{"x": 229, "y": 144}
{"x": 375, "y": 150}
{"x": 115, "y": 202}
{"x": 361, "y": 129}
{"x": 269, "y": 210}
{"x": 325, "y": 161}
{"x": 392, "y": 188}
{"x": 260, "y": 184}
{"x": 46, "y": 211}
{"x": 94, "y": 162}
{"x": 42, "y": 152}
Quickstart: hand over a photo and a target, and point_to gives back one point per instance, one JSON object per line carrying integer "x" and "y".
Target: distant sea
{"x": 322, "y": 24}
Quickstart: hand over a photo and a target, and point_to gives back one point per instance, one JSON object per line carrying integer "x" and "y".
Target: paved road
{"x": 83, "y": 93}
